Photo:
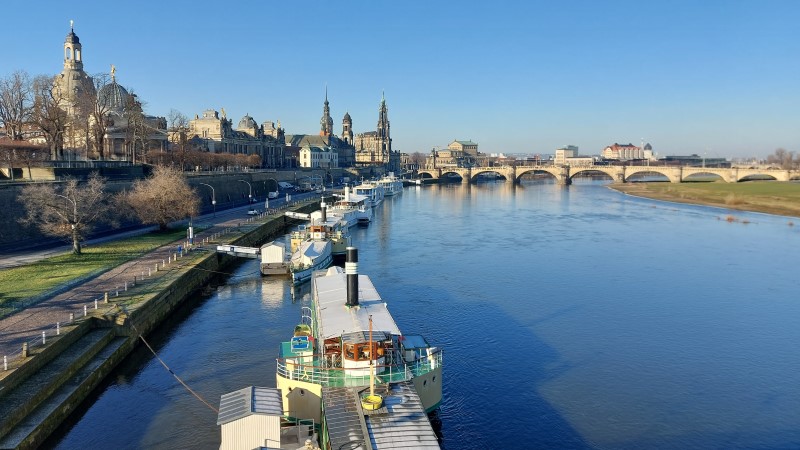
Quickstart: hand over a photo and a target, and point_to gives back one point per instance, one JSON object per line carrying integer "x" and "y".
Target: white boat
{"x": 348, "y": 366}
{"x": 324, "y": 226}
{"x": 391, "y": 184}
{"x": 373, "y": 191}
{"x": 310, "y": 255}
{"x": 351, "y": 208}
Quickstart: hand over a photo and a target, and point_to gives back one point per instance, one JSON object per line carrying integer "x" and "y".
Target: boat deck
{"x": 400, "y": 424}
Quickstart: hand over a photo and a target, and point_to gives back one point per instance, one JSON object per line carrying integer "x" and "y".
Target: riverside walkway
{"x": 106, "y": 292}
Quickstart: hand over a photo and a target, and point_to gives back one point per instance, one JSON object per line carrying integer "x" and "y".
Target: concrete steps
{"x": 24, "y": 411}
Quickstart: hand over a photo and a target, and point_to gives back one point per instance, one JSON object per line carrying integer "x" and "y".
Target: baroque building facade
{"x": 375, "y": 147}
{"x": 215, "y": 133}
{"x": 128, "y": 131}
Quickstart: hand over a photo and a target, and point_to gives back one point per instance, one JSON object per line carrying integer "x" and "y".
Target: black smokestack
{"x": 324, "y": 207}
{"x": 351, "y": 270}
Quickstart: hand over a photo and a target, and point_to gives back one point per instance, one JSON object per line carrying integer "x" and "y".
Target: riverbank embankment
{"x": 45, "y": 382}
{"x": 770, "y": 197}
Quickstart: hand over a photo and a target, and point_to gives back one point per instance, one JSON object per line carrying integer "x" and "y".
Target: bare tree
{"x": 179, "y": 136}
{"x": 70, "y": 213}
{"x": 94, "y": 108}
{"x": 163, "y": 197}
{"x": 15, "y": 102}
{"x": 48, "y": 115}
{"x": 783, "y": 158}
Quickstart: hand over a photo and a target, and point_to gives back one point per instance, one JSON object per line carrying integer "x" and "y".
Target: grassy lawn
{"x": 20, "y": 283}
{"x": 773, "y": 197}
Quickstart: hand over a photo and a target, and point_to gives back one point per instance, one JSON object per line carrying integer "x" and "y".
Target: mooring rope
{"x": 147, "y": 344}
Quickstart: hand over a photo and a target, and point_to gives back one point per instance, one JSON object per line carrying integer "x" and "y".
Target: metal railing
{"x": 297, "y": 368}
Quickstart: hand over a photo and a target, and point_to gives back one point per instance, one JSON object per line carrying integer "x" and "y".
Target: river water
{"x": 570, "y": 317}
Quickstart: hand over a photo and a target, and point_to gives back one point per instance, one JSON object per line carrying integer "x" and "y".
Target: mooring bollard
{"x": 24, "y": 349}
{"x": 84, "y": 310}
{"x": 105, "y": 297}
{"x": 58, "y": 328}
{"x": 44, "y": 338}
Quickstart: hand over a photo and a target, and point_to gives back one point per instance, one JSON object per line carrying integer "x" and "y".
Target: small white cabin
{"x": 250, "y": 418}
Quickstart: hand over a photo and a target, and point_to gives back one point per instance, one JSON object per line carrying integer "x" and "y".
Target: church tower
{"x": 326, "y": 122}
{"x": 73, "y": 58}
{"x": 384, "y": 138}
{"x": 347, "y": 129}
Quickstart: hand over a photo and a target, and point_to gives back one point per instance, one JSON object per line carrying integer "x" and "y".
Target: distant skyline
{"x": 715, "y": 78}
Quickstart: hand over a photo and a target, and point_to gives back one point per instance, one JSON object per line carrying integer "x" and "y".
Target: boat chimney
{"x": 324, "y": 208}
{"x": 351, "y": 270}
{"x": 347, "y": 193}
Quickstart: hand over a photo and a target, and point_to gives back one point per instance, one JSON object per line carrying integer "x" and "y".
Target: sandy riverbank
{"x": 771, "y": 197}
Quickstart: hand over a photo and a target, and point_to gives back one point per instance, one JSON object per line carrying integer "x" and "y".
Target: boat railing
{"x": 303, "y": 369}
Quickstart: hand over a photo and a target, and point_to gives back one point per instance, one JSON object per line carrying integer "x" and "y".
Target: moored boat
{"x": 373, "y": 191}
{"x": 351, "y": 208}
{"x": 349, "y": 363}
{"x": 391, "y": 184}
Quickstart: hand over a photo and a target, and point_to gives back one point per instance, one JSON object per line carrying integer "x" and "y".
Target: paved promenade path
{"x": 28, "y": 325}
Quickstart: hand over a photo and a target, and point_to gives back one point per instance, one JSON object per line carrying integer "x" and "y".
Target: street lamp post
{"x": 250, "y": 195}
{"x": 266, "y": 188}
{"x": 213, "y": 198}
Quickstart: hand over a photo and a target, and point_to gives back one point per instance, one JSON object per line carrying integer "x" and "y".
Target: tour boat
{"x": 391, "y": 184}
{"x": 373, "y": 191}
{"x": 349, "y": 367}
{"x": 351, "y": 208}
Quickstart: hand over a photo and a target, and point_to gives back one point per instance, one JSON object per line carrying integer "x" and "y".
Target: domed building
{"x": 214, "y": 132}
{"x": 128, "y": 133}
{"x": 73, "y": 82}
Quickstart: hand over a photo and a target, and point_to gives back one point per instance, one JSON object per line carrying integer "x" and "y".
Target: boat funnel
{"x": 351, "y": 270}
{"x": 323, "y": 207}
{"x": 347, "y": 193}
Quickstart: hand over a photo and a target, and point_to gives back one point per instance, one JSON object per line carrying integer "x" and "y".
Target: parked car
{"x": 273, "y": 194}
{"x": 253, "y": 212}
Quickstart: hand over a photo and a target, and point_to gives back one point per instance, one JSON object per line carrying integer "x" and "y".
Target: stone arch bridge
{"x": 564, "y": 174}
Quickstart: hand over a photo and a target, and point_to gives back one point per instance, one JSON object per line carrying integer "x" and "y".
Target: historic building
{"x": 467, "y": 147}
{"x": 318, "y": 158}
{"x": 129, "y": 132}
{"x": 375, "y": 147}
{"x": 216, "y": 134}
{"x": 622, "y": 152}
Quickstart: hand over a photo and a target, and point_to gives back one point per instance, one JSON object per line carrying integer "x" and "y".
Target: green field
{"x": 18, "y": 284}
{"x": 772, "y": 197}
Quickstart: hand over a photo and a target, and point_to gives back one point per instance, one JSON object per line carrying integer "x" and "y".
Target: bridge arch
{"x": 485, "y": 170}
{"x": 695, "y": 176}
{"x": 555, "y": 172}
{"x": 582, "y": 172}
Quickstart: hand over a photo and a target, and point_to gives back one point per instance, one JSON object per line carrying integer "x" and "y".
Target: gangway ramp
{"x": 240, "y": 251}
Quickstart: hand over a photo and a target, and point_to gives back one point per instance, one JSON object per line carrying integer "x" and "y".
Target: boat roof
{"x": 247, "y": 401}
{"x": 335, "y": 318}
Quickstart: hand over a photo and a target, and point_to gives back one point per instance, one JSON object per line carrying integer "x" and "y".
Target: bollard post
{"x": 149, "y": 274}
{"x": 134, "y": 281}
{"x": 5, "y": 362}
{"x": 44, "y": 338}
{"x": 58, "y": 328}
{"x": 126, "y": 286}
{"x": 163, "y": 264}
{"x": 156, "y": 267}
{"x": 24, "y": 349}
{"x": 71, "y": 317}
{"x": 117, "y": 292}
{"x": 84, "y": 310}
{"x": 95, "y": 303}
{"x": 105, "y": 297}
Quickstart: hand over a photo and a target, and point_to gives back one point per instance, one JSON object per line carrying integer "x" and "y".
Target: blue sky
{"x": 718, "y": 78}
